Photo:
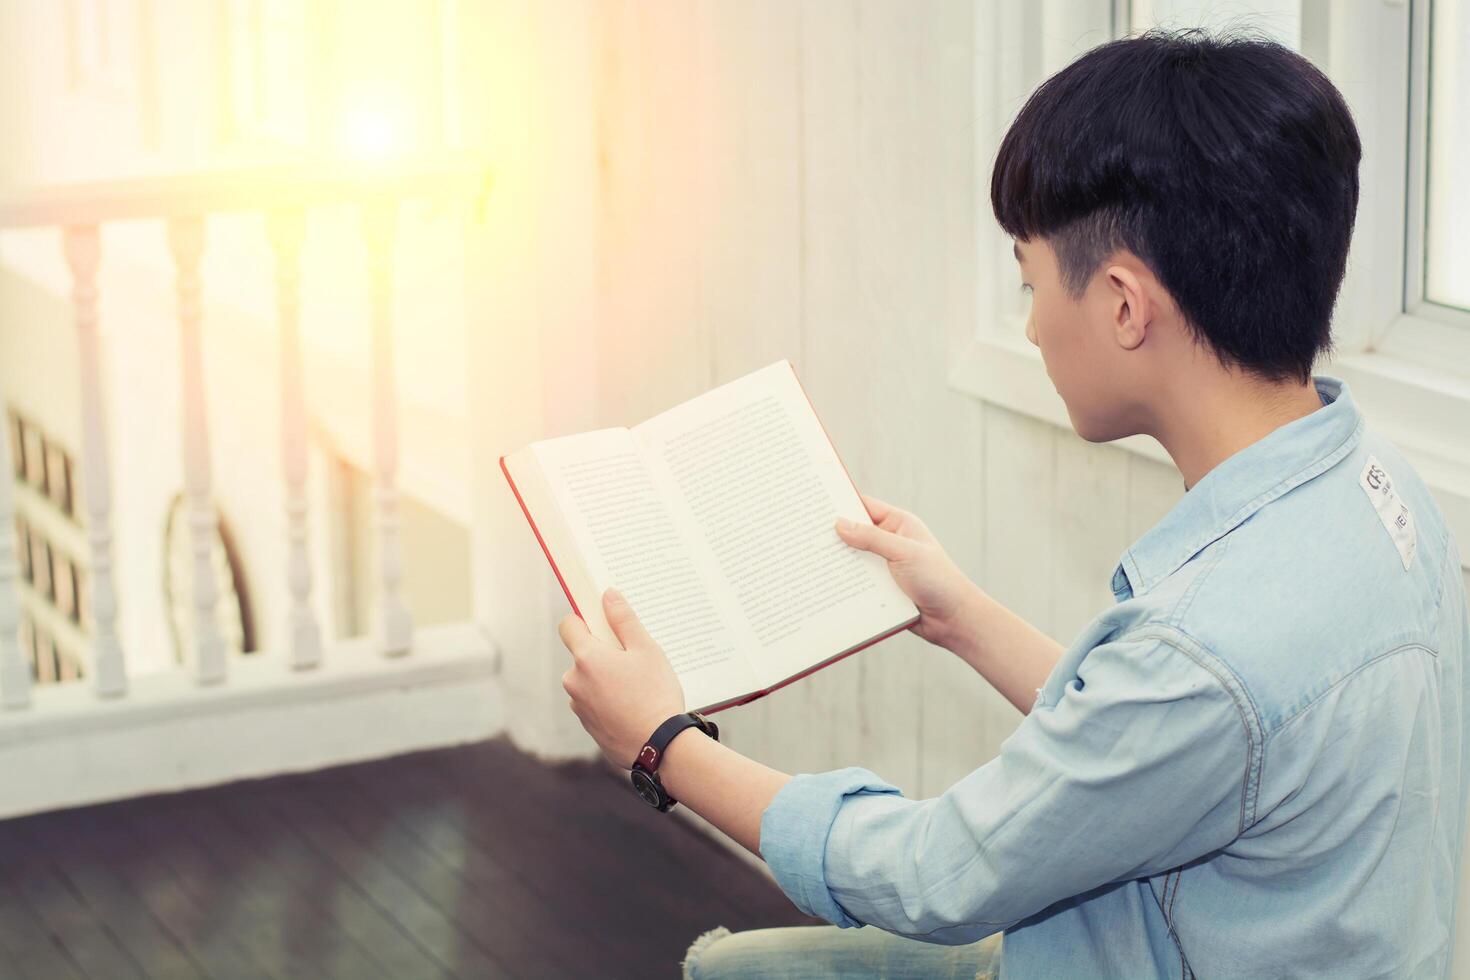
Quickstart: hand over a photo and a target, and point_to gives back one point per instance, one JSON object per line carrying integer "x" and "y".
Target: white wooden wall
{"x": 686, "y": 192}
{"x": 800, "y": 180}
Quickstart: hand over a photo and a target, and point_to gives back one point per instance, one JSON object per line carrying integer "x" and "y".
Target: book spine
{"x": 540, "y": 540}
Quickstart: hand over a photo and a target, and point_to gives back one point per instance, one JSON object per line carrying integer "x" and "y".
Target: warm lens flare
{"x": 375, "y": 132}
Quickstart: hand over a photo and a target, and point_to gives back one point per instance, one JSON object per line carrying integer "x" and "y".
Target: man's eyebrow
{"x": 1016, "y": 250}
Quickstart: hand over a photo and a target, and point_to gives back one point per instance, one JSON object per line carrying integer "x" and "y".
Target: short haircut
{"x": 1228, "y": 163}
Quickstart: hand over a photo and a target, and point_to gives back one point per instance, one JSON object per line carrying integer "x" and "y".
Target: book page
{"x": 629, "y": 539}
{"x": 764, "y": 486}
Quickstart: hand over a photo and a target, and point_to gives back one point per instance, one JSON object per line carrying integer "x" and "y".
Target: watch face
{"x": 643, "y": 783}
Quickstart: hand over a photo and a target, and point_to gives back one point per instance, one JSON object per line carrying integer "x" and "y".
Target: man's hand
{"x": 619, "y": 694}
{"x": 920, "y": 566}
{"x": 955, "y": 613}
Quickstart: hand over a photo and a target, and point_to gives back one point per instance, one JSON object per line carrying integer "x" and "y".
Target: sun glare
{"x": 375, "y": 132}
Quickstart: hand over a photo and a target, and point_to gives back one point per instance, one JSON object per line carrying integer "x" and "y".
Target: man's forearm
{"x": 728, "y": 789}
{"x": 1010, "y": 653}
{"x": 732, "y": 791}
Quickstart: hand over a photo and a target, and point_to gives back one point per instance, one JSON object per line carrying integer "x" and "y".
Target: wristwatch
{"x": 645, "y": 767}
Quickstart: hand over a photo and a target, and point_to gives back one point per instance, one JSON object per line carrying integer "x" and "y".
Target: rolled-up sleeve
{"x": 1140, "y": 764}
{"x": 794, "y": 832}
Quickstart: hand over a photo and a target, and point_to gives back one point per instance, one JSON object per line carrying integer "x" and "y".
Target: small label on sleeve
{"x": 1392, "y": 511}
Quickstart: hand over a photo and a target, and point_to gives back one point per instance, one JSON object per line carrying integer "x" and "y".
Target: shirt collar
{"x": 1242, "y": 484}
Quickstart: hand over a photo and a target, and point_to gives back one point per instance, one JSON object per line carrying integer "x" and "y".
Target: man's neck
{"x": 1204, "y": 424}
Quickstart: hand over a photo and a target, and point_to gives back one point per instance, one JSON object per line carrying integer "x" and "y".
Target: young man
{"x": 1253, "y": 763}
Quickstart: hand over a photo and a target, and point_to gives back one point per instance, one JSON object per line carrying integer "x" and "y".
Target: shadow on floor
{"x": 476, "y": 861}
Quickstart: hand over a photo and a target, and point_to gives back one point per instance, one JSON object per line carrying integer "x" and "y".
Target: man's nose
{"x": 1031, "y": 330}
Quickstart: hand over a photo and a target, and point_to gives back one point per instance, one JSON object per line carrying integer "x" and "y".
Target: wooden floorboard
{"x": 474, "y": 862}
{"x": 34, "y": 951}
{"x": 87, "y": 939}
{"x": 492, "y": 906}
{"x": 313, "y": 880}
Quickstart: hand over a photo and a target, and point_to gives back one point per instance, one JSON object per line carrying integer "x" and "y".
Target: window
{"x": 1397, "y": 66}
{"x": 1446, "y": 280}
{"x": 1401, "y": 326}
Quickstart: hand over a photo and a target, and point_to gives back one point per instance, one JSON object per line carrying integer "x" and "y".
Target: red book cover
{"x": 755, "y": 694}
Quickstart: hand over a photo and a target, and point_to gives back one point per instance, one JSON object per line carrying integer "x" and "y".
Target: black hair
{"x": 1228, "y": 163}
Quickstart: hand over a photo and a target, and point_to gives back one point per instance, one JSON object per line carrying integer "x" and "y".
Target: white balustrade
{"x": 83, "y": 248}
{"x": 58, "y": 747}
{"x": 284, "y": 194}
{"x": 395, "y": 624}
{"x": 285, "y": 229}
{"x": 186, "y": 243}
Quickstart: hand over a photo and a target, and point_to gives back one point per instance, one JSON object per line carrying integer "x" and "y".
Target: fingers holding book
{"x": 897, "y": 520}
{"x": 919, "y": 565}
{"x": 871, "y": 537}
{"x": 619, "y": 694}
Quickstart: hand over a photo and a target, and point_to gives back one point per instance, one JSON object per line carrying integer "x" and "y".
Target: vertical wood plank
{"x": 1153, "y": 490}
{"x": 914, "y": 203}
{"x": 1090, "y": 530}
{"x": 526, "y": 89}
{"x": 653, "y": 350}
{"x": 958, "y": 707}
{"x": 960, "y": 711}
{"x": 748, "y": 240}
{"x": 82, "y": 247}
{"x": 829, "y": 703}
{"x": 1020, "y": 491}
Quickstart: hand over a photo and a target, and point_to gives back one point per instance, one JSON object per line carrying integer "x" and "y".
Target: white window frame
{"x": 1406, "y": 360}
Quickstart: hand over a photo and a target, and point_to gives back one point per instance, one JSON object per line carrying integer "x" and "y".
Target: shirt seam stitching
{"x": 1162, "y": 901}
{"x": 1445, "y": 572}
{"x": 1255, "y": 710}
{"x": 1178, "y": 943}
{"x": 1253, "y": 746}
{"x": 1307, "y": 708}
{"x": 1162, "y": 632}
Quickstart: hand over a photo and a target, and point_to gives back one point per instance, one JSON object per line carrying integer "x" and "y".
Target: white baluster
{"x": 285, "y": 229}
{"x": 186, "y": 242}
{"x": 15, "y": 672}
{"x": 82, "y": 246}
{"x": 395, "y": 623}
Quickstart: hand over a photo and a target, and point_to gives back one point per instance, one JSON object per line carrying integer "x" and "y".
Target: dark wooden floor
{"x": 467, "y": 862}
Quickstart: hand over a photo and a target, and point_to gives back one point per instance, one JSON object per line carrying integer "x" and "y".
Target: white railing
{"x": 283, "y": 196}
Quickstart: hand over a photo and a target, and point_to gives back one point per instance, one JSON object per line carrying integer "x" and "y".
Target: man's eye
{"x": 1026, "y": 288}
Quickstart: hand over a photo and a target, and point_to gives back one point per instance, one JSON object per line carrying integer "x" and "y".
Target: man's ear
{"x": 1129, "y": 305}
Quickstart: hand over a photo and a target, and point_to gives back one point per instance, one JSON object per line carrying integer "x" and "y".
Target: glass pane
{"x": 1447, "y": 245}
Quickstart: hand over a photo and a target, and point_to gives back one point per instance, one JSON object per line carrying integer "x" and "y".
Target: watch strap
{"x": 652, "y": 753}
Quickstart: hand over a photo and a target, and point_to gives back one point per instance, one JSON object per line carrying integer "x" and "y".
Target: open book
{"x": 715, "y": 521}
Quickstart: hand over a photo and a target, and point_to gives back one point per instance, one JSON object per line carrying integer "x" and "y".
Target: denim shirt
{"x": 1251, "y": 765}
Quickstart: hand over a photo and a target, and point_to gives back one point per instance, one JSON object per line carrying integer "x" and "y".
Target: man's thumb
{"x": 624, "y": 621}
{"x": 870, "y": 537}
